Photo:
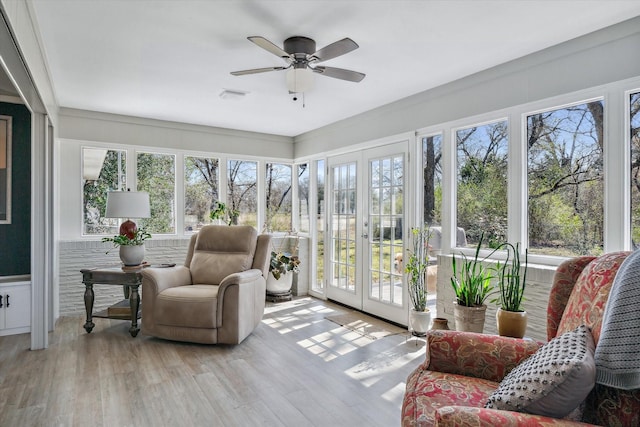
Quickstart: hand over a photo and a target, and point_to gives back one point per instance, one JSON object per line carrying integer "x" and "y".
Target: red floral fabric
{"x": 460, "y": 367}
{"x": 589, "y": 297}
{"x": 608, "y": 406}
{"x": 463, "y": 368}
{"x": 564, "y": 280}
{"x": 477, "y": 355}
{"x": 429, "y": 390}
{"x": 463, "y": 416}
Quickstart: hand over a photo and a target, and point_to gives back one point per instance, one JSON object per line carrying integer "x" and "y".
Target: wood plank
{"x": 297, "y": 368}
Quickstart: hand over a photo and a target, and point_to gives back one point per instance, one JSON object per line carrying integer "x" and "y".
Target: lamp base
{"x": 128, "y": 228}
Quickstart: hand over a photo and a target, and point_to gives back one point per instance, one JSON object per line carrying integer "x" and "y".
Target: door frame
{"x": 409, "y": 208}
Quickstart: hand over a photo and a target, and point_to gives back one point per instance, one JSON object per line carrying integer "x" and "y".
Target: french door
{"x": 367, "y": 229}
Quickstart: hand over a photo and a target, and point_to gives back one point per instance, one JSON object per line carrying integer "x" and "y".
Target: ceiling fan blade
{"x": 339, "y": 73}
{"x": 268, "y": 46}
{"x": 257, "y": 70}
{"x": 338, "y": 48}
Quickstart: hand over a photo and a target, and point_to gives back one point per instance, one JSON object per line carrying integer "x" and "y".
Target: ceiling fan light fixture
{"x": 299, "y": 80}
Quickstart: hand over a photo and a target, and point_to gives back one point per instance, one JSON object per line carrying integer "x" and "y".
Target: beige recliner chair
{"x": 217, "y": 296}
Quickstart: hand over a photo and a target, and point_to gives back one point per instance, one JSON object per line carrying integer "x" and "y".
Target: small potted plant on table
{"x": 131, "y": 245}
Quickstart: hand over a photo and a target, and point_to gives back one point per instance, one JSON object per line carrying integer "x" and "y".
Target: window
{"x": 242, "y": 178}
{"x": 157, "y": 175}
{"x": 565, "y": 180}
{"x": 103, "y": 170}
{"x": 320, "y": 220}
{"x": 482, "y": 183}
{"x": 200, "y": 191}
{"x": 303, "y": 197}
{"x": 634, "y": 121}
{"x": 432, "y": 180}
{"x": 278, "y": 197}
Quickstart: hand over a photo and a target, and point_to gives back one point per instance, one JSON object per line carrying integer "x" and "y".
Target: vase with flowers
{"x": 131, "y": 245}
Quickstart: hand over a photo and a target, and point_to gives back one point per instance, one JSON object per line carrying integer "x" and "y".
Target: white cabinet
{"x": 15, "y": 308}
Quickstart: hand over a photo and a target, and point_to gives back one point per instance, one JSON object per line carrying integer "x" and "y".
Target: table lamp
{"x": 128, "y": 204}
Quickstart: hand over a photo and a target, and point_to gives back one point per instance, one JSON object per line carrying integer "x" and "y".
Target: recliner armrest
{"x": 484, "y": 356}
{"x": 155, "y": 280}
{"x": 241, "y": 277}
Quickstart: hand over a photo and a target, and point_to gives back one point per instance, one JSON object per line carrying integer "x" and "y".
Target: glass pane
{"x": 278, "y": 186}
{"x": 343, "y": 227}
{"x": 242, "y": 178}
{"x": 157, "y": 176}
{"x": 102, "y": 171}
{"x": 565, "y": 180}
{"x": 482, "y": 183}
{"x": 432, "y": 179}
{"x": 385, "y": 224}
{"x": 303, "y": 197}
{"x": 634, "y": 120}
{"x": 200, "y": 191}
{"x": 320, "y": 228}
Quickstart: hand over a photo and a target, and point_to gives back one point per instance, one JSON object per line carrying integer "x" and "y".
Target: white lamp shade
{"x": 128, "y": 204}
{"x": 299, "y": 80}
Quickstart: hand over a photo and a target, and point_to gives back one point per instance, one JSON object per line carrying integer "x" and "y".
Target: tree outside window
{"x": 303, "y": 197}
{"x": 432, "y": 179}
{"x": 200, "y": 191}
{"x": 482, "y": 182}
{"x": 278, "y": 198}
{"x": 565, "y": 180}
{"x": 320, "y": 221}
{"x": 156, "y": 175}
{"x": 634, "y": 121}
{"x": 103, "y": 171}
{"x": 242, "y": 178}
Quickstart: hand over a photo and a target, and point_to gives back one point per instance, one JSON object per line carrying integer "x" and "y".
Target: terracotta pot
{"x": 440, "y": 323}
{"x": 469, "y": 319}
{"x": 419, "y": 322}
{"x": 511, "y": 323}
{"x": 131, "y": 255}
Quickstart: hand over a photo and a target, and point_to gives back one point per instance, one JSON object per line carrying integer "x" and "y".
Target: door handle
{"x": 8, "y": 301}
{"x": 0, "y": 301}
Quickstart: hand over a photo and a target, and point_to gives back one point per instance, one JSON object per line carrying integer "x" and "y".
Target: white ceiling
{"x": 170, "y": 59}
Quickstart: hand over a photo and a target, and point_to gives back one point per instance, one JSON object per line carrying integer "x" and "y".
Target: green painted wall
{"x": 15, "y": 238}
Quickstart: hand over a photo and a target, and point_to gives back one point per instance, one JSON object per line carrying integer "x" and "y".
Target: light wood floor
{"x": 296, "y": 369}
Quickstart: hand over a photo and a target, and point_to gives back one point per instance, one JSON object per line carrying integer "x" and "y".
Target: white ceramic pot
{"x": 419, "y": 322}
{"x": 131, "y": 255}
{"x": 281, "y": 285}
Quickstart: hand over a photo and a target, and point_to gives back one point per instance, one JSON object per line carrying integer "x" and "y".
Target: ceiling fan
{"x": 301, "y": 57}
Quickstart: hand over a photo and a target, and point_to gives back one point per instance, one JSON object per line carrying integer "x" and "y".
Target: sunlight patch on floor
{"x": 334, "y": 343}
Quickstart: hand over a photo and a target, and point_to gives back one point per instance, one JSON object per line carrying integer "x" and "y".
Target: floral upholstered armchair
{"x": 460, "y": 381}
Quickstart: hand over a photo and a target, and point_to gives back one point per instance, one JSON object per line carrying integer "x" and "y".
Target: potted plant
{"x": 282, "y": 264}
{"x": 510, "y": 317}
{"x": 225, "y": 214}
{"x": 131, "y": 245}
{"x": 472, "y": 286}
{"x": 416, "y": 269}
